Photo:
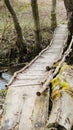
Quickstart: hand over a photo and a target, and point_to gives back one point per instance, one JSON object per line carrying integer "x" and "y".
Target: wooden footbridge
{"x": 23, "y": 109}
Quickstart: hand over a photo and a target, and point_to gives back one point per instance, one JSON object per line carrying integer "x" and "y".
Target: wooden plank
{"x": 22, "y": 107}
{"x": 13, "y": 107}
{"x": 22, "y": 76}
{"x": 36, "y": 118}
{"x": 26, "y": 82}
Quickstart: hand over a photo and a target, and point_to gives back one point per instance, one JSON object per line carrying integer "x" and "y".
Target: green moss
{"x": 60, "y": 81}
{"x": 3, "y": 93}
{"x": 55, "y": 82}
{"x": 53, "y": 15}
{"x": 64, "y": 67}
{"x": 45, "y": 94}
{"x": 53, "y": 20}
{"x": 65, "y": 85}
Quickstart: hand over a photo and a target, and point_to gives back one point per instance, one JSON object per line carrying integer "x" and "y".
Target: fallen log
{"x": 52, "y": 75}
{"x": 61, "y": 117}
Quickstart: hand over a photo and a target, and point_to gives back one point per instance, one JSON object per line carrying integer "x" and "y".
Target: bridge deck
{"x": 23, "y": 109}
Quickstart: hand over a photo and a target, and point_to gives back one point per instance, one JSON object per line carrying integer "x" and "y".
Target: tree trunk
{"x": 20, "y": 42}
{"x": 38, "y": 37}
{"x": 69, "y": 9}
{"x": 53, "y": 15}
{"x": 61, "y": 117}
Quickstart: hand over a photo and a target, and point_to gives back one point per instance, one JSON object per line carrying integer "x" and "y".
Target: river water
{"x": 6, "y": 76}
{"x": 4, "y": 79}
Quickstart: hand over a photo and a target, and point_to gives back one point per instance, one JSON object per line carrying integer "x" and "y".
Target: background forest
{"x": 9, "y": 54}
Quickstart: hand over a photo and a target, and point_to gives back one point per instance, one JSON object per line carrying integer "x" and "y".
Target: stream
{"x": 6, "y": 76}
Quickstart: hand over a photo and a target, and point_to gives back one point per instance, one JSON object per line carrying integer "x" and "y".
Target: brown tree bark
{"x": 38, "y": 37}
{"x": 20, "y": 42}
{"x": 53, "y": 15}
{"x": 69, "y": 9}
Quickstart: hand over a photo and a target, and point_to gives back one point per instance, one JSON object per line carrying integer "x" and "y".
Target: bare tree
{"x": 53, "y": 15}
{"x": 20, "y": 42}
{"x": 38, "y": 36}
{"x": 69, "y": 9}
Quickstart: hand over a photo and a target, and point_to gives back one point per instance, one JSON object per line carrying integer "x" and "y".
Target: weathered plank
{"x": 23, "y": 109}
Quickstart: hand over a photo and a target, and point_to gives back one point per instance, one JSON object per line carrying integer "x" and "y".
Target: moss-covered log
{"x": 61, "y": 117}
